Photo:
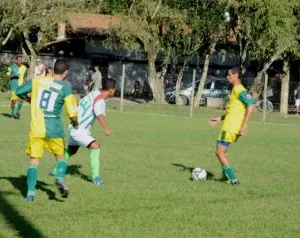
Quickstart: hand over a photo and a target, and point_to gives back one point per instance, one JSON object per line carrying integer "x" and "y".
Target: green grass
{"x": 148, "y": 193}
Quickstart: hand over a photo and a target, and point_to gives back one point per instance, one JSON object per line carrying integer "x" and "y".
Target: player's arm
{"x": 249, "y": 102}
{"x": 102, "y": 121}
{"x": 99, "y": 110}
{"x": 215, "y": 120}
{"x": 71, "y": 109}
{"x": 9, "y": 73}
{"x": 23, "y": 90}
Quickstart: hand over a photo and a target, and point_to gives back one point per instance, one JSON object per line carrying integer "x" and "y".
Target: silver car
{"x": 216, "y": 88}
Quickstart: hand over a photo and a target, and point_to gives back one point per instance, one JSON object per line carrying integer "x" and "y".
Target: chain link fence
{"x": 134, "y": 94}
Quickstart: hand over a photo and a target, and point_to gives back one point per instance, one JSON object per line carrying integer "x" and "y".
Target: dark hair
{"x": 108, "y": 84}
{"x": 237, "y": 70}
{"x": 19, "y": 56}
{"x": 60, "y": 66}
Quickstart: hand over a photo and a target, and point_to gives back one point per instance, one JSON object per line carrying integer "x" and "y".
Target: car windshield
{"x": 221, "y": 85}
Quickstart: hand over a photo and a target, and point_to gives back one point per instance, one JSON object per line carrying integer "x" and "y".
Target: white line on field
{"x": 203, "y": 118}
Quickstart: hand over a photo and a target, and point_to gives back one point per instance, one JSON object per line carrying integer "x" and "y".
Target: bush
{"x": 4, "y": 81}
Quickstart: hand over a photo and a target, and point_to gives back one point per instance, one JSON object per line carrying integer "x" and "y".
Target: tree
{"x": 143, "y": 27}
{"x": 36, "y": 23}
{"x": 267, "y": 29}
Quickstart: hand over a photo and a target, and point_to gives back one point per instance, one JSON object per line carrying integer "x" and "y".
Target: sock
{"x": 12, "y": 111}
{"x": 67, "y": 156}
{"x": 229, "y": 172}
{"x": 61, "y": 166}
{"x": 95, "y": 162}
{"x": 32, "y": 174}
{"x": 20, "y": 104}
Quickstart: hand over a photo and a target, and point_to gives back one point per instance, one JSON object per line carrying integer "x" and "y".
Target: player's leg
{"x": 20, "y": 104}
{"x": 61, "y": 166}
{"x": 34, "y": 149}
{"x": 12, "y": 108}
{"x": 94, "y": 147}
{"x": 56, "y": 146}
{"x": 224, "y": 141}
{"x": 70, "y": 151}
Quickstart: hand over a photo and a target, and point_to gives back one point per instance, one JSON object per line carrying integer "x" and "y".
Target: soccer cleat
{"x": 18, "y": 115}
{"x": 29, "y": 198}
{"x": 64, "y": 191}
{"x": 52, "y": 173}
{"x": 98, "y": 181}
{"x": 236, "y": 182}
{"x": 12, "y": 117}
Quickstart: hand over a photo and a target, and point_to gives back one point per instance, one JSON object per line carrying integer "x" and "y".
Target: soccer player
{"x": 17, "y": 73}
{"x": 90, "y": 109}
{"x": 239, "y": 110}
{"x": 48, "y": 95}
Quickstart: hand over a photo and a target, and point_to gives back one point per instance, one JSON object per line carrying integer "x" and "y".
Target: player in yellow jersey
{"x": 238, "y": 112}
{"x": 48, "y": 95}
{"x": 17, "y": 74}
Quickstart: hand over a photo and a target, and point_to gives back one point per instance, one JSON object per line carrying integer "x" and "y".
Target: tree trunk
{"x": 204, "y": 75}
{"x": 257, "y": 86}
{"x": 156, "y": 80}
{"x": 284, "y": 97}
{"x": 33, "y": 55}
{"x": 178, "y": 83}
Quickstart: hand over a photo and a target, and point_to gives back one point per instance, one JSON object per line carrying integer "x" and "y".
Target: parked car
{"x": 216, "y": 88}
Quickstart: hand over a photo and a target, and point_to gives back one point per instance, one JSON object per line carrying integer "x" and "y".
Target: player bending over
{"x": 238, "y": 112}
{"x": 91, "y": 108}
{"x": 48, "y": 95}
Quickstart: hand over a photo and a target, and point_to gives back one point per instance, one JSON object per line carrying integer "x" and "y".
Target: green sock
{"x": 67, "y": 156}
{"x": 61, "y": 166}
{"x": 12, "y": 111}
{"x": 32, "y": 174}
{"x": 20, "y": 104}
{"x": 229, "y": 172}
{"x": 95, "y": 162}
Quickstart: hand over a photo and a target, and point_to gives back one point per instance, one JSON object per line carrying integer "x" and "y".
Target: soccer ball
{"x": 199, "y": 174}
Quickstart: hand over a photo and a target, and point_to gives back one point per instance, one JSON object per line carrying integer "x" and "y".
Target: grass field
{"x": 148, "y": 193}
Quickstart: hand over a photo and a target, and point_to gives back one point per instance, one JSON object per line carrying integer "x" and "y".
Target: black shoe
{"x": 236, "y": 182}
{"x": 64, "y": 191}
{"x": 18, "y": 116}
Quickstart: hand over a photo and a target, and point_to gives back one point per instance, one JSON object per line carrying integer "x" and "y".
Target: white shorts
{"x": 80, "y": 137}
{"x": 297, "y": 104}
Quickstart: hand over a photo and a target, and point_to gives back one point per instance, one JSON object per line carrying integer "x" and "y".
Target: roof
{"x": 91, "y": 22}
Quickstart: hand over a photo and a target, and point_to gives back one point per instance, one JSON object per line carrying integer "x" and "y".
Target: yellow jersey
{"x": 47, "y": 99}
{"x": 236, "y": 109}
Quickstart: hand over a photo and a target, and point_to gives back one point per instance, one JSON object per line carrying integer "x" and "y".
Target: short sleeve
{"x": 24, "y": 89}
{"x": 99, "y": 108}
{"x": 246, "y": 98}
{"x": 71, "y": 105}
{"x": 9, "y": 71}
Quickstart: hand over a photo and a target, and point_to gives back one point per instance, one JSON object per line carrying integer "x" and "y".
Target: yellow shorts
{"x": 35, "y": 146}
{"x": 228, "y": 137}
{"x": 13, "y": 96}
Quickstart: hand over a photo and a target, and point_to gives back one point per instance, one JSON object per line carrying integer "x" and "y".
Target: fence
{"x": 134, "y": 94}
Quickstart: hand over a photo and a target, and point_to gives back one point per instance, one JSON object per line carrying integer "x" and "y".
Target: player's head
{"x": 38, "y": 61}
{"x": 234, "y": 75}
{"x": 61, "y": 68}
{"x": 19, "y": 60}
{"x": 109, "y": 85}
{"x": 96, "y": 67}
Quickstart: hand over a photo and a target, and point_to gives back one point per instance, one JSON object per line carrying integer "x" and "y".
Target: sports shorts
{"x": 35, "y": 146}
{"x": 225, "y": 138}
{"x": 80, "y": 137}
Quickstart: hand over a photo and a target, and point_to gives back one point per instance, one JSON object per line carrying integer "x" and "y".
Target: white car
{"x": 217, "y": 88}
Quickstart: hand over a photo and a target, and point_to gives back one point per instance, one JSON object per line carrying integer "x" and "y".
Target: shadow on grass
{"x": 20, "y": 183}
{"x": 74, "y": 170}
{"x": 16, "y": 220}
{"x": 6, "y": 115}
{"x": 210, "y": 175}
